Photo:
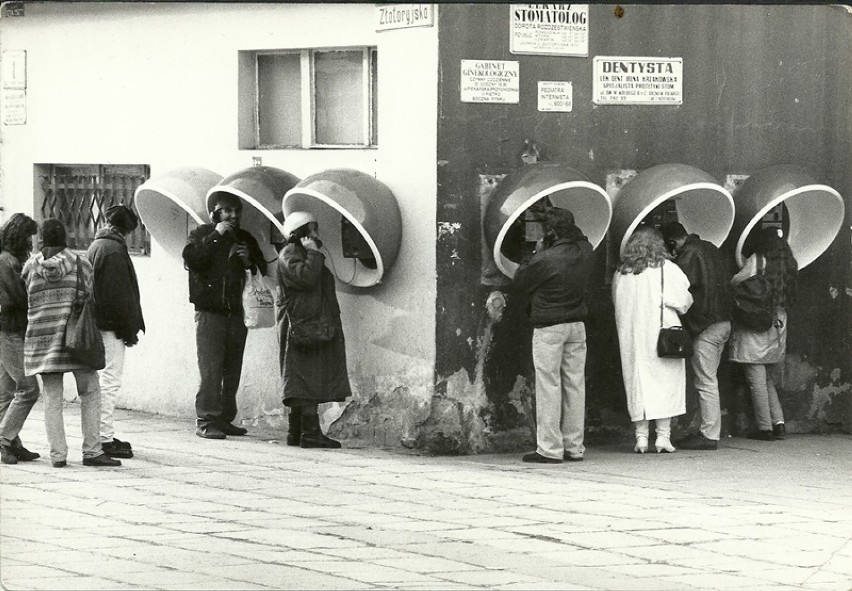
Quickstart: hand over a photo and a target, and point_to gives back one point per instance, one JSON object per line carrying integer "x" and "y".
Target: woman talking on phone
{"x": 312, "y": 349}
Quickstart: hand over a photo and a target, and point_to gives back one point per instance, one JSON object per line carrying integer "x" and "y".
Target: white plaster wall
{"x": 157, "y": 84}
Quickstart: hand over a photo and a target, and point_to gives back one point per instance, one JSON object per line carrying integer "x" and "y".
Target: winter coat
{"x": 554, "y": 282}
{"x": 52, "y": 287}
{"x": 216, "y": 275}
{"x": 117, "y": 305}
{"x": 709, "y": 284}
{"x": 13, "y": 295}
{"x": 305, "y": 287}
{"x": 655, "y": 386}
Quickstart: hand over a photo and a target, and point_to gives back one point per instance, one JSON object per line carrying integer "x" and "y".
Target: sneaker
{"x": 229, "y": 429}
{"x": 7, "y": 455}
{"x": 114, "y": 450}
{"x": 569, "y": 458}
{"x": 697, "y": 441}
{"x": 210, "y": 432}
{"x": 537, "y": 458}
{"x": 778, "y": 431}
{"x": 100, "y": 461}
{"x": 25, "y": 455}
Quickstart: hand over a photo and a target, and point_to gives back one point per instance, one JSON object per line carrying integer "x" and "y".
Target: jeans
{"x": 559, "y": 356}
{"x": 18, "y": 392}
{"x": 764, "y": 397}
{"x": 110, "y": 382}
{"x": 708, "y": 348}
{"x": 220, "y": 342}
{"x": 90, "y": 410}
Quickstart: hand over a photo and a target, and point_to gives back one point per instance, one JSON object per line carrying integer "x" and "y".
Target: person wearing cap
{"x": 118, "y": 314}
{"x": 317, "y": 373}
{"x": 217, "y": 256}
{"x": 18, "y": 392}
{"x": 51, "y": 279}
{"x": 708, "y": 321}
{"x": 552, "y": 286}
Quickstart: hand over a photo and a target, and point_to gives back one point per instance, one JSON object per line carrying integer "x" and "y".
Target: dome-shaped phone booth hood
{"x": 260, "y": 189}
{"x": 815, "y": 212}
{"x": 359, "y": 222}
{"x": 564, "y": 187}
{"x": 174, "y": 203}
{"x": 703, "y": 206}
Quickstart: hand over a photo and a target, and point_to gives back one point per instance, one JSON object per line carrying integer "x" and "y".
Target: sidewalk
{"x": 251, "y": 513}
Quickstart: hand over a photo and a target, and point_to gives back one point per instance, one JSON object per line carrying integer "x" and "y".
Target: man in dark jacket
{"x": 553, "y": 286}
{"x": 18, "y": 392}
{"x": 217, "y": 256}
{"x": 708, "y": 321}
{"x": 118, "y": 314}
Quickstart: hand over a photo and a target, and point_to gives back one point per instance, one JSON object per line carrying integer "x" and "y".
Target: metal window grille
{"x": 79, "y": 196}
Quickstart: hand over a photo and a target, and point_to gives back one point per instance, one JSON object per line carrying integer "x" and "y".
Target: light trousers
{"x": 90, "y": 410}
{"x": 764, "y": 396}
{"x": 110, "y": 382}
{"x": 559, "y": 356}
{"x": 705, "y": 360}
{"x": 18, "y": 392}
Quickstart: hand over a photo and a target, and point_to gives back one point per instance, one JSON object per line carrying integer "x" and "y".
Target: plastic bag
{"x": 258, "y": 303}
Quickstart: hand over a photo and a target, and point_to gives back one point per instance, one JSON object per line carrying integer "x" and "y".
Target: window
{"x": 308, "y": 98}
{"x": 78, "y": 195}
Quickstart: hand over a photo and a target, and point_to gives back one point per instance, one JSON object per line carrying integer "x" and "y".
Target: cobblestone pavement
{"x": 251, "y": 513}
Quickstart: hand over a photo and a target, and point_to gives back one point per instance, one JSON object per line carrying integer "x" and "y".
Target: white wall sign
{"x": 555, "y": 96}
{"x": 14, "y": 72}
{"x": 549, "y": 29}
{"x": 404, "y": 16}
{"x": 637, "y": 81}
{"x": 485, "y": 81}
{"x": 13, "y": 103}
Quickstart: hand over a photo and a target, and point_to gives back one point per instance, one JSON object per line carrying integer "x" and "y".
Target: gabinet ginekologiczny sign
{"x": 549, "y": 29}
{"x": 637, "y": 80}
{"x": 489, "y": 81}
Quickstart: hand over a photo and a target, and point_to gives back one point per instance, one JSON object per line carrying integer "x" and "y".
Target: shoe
{"x": 25, "y": 455}
{"x": 569, "y": 458}
{"x": 312, "y": 435}
{"x": 697, "y": 441}
{"x": 664, "y": 444}
{"x": 121, "y": 444}
{"x": 778, "y": 431}
{"x": 641, "y": 444}
{"x": 537, "y": 458}
{"x": 761, "y": 435}
{"x": 229, "y": 429}
{"x": 101, "y": 461}
{"x": 59, "y": 463}
{"x": 112, "y": 449}
{"x": 210, "y": 432}
{"x": 294, "y": 431}
{"x": 7, "y": 455}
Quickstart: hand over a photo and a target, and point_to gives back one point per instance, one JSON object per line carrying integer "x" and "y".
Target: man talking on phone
{"x": 217, "y": 256}
{"x": 552, "y": 285}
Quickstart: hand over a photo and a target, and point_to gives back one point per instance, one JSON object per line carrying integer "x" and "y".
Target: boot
{"x": 312, "y": 435}
{"x": 294, "y": 433}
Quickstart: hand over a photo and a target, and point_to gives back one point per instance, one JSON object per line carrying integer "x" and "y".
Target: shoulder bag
{"x": 82, "y": 336}
{"x": 673, "y": 342}
{"x": 752, "y": 301}
{"x": 312, "y": 333}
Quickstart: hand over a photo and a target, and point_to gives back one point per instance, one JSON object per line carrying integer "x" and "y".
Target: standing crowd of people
{"x": 664, "y": 278}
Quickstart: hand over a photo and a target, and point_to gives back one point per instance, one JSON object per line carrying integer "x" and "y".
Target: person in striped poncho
{"x": 51, "y": 279}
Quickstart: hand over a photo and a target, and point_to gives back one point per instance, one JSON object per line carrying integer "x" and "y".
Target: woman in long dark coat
{"x": 314, "y": 373}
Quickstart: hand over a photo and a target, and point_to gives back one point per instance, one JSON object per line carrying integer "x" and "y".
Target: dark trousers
{"x": 220, "y": 342}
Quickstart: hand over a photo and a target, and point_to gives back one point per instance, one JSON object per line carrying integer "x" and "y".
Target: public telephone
{"x": 354, "y": 246}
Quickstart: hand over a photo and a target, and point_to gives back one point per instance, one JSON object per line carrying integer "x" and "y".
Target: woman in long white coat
{"x": 655, "y": 386}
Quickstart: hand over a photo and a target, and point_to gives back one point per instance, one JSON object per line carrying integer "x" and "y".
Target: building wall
{"x": 762, "y": 85}
{"x": 157, "y": 84}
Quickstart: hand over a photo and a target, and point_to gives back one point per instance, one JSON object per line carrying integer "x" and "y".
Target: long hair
{"x": 781, "y": 266}
{"x": 644, "y": 249}
{"x": 15, "y": 236}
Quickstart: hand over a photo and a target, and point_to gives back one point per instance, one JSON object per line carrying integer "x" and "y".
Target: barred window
{"x": 78, "y": 195}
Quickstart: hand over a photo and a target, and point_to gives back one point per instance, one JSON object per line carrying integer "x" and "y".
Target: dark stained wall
{"x": 762, "y": 85}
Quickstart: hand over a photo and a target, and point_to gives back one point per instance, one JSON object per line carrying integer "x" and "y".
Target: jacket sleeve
{"x": 113, "y": 282}
{"x": 676, "y": 295}
{"x": 748, "y": 270}
{"x": 258, "y": 263}
{"x": 197, "y": 254}
{"x": 299, "y": 269}
{"x": 13, "y": 290}
{"x": 528, "y": 277}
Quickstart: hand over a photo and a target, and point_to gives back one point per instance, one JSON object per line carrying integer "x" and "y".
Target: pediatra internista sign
{"x": 549, "y": 29}
{"x": 620, "y": 80}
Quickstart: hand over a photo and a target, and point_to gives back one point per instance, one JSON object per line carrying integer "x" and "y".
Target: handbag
{"x": 313, "y": 332}
{"x": 673, "y": 342}
{"x": 258, "y": 303}
{"x": 82, "y": 337}
{"x": 753, "y": 303}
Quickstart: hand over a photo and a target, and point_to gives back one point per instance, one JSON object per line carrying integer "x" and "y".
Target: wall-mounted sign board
{"x": 549, "y": 29}
{"x": 404, "y": 16}
{"x": 555, "y": 97}
{"x": 14, "y": 73}
{"x": 637, "y": 80}
{"x": 13, "y": 104}
{"x": 487, "y": 81}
